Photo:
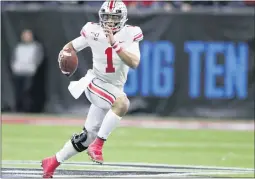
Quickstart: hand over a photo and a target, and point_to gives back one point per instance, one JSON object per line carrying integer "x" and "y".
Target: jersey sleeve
{"x": 137, "y": 34}
{"x": 134, "y": 49}
{"x": 81, "y": 42}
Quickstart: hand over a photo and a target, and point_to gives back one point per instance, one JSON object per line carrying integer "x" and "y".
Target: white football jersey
{"x": 107, "y": 65}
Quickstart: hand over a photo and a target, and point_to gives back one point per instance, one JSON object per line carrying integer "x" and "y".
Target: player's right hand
{"x": 61, "y": 56}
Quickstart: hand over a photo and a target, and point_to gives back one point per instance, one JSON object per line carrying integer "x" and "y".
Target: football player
{"x": 115, "y": 48}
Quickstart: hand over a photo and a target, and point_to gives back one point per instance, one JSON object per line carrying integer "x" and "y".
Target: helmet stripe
{"x": 111, "y": 5}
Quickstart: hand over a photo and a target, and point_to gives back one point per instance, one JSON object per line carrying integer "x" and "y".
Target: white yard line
{"x": 123, "y": 164}
{"x": 226, "y": 145}
{"x": 182, "y": 171}
{"x": 30, "y": 174}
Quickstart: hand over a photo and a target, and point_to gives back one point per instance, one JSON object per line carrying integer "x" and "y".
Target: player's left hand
{"x": 109, "y": 35}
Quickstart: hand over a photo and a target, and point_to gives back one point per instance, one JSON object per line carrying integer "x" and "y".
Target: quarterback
{"x": 115, "y": 49}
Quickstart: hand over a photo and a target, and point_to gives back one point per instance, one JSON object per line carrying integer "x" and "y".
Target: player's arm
{"x": 130, "y": 56}
{"x": 76, "y": 45}
{"x": 80, "y": 42}
{"x": 69, "y": 45}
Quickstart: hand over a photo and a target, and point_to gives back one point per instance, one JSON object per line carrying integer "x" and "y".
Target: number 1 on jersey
{"x": 109, "y": 68}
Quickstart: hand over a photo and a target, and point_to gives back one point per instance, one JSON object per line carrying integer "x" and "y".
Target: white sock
{"x": 110, "y": 122}
{"x": 66, "y": 152}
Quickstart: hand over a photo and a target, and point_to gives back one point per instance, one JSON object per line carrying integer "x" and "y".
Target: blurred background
{"x": 197, "y": 62}
{"x": 197, "y": 57}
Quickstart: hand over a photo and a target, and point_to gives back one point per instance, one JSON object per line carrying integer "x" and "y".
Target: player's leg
{"x": 118, "y": 108}
{"x": 78, "y": 142}
{"x": 110, "y": 122}
{"x": 113, "y": 117}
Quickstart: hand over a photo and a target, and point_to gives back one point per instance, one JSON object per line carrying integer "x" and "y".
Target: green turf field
{"x": 165, "y": 146}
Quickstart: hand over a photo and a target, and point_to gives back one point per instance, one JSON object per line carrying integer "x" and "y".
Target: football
{"x": 69, "y": 61}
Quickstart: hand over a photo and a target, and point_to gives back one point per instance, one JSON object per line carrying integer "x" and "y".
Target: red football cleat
{"x": 95, "y": 151}
{"x": 49, "y": 166}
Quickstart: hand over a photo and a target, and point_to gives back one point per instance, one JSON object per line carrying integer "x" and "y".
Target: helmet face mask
{"x": 114, "y": 17}
{"x": 111, "y": 20}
